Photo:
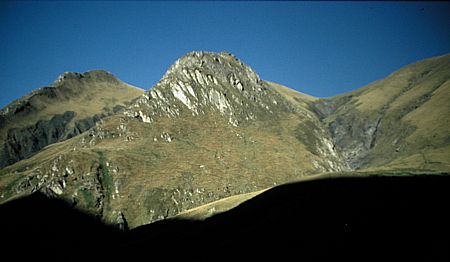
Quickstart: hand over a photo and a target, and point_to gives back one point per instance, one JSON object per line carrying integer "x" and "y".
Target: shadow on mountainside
{"x": 375, "y": 218}
{"x": 38, "y": 226}
{"x": 347, "y": 218}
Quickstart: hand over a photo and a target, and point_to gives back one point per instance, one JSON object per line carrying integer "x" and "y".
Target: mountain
{"x": 70, "y": 106}
{"x": 400, "y": 122}
{"x": 211, "y": 129}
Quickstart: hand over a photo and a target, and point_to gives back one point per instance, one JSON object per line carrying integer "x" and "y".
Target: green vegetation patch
{"x": 88, "y": 198}
{"x": 104, "y": 176}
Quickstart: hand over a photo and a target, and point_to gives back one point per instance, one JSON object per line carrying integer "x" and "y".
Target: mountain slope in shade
{"x": 70, "y": 106}
{"x": 322, "y": 219}
{"x": 211, "y": 129}
{"x": 314, "y": 220}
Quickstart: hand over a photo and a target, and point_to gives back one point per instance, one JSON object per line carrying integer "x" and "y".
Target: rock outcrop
{"x": 70, "y": 106}
{"x": 204, "y": 82}
{"x": 384, "y": 121}
{"x": 23, "y": 143}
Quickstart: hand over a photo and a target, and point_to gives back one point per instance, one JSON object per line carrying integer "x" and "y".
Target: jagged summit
{"x": 201, "y": 82}
{"x": 220, "y": 64}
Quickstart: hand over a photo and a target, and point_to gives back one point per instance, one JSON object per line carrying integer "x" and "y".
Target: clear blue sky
{"x": 318, "y": 48}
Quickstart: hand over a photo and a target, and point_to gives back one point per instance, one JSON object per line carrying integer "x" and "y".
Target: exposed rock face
{"x": 83, "y": 180}
{"x": 23, "y": 143}
{"x": 373, "y": 126}
{"x": 202, "y": 82}
{"x": 38, "y": 119}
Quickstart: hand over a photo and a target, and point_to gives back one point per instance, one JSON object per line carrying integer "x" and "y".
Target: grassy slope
{"x": 86, "y": 98}
{"x": 225, "y": 204}
{"x": 412, "y": 101}
{"x": 216, "y": 207}
{"x": 423, "y": 73}
{"x": 207, "y": 158}
{"x": 292, "y": 95}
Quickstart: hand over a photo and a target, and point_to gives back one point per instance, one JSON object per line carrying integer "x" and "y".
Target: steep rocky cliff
{"x": 200, "y": 83}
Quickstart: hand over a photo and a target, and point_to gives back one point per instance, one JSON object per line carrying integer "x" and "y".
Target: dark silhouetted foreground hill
{"x": 38, "y": 226}
{"x": 380, "y": 218}
{"x": 371, "y": 218}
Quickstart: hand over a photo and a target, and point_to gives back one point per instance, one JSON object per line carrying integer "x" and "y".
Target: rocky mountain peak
{"x": 200, "y": 82}
{"x": 222, "y": 65}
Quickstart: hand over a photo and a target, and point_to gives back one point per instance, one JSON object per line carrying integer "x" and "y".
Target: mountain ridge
{"x": 211, "y": 129}
{"x": 408, "y": 89}
{"x": 85, "y": 97}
